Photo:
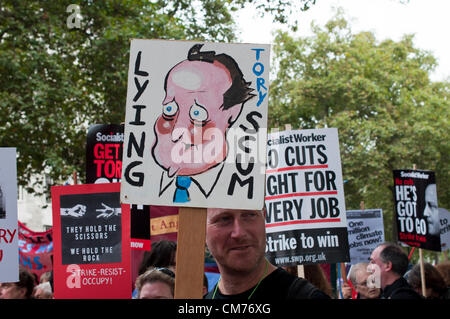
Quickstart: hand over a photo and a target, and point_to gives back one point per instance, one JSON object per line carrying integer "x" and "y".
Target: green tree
{"x": 379, "y": 95}
{"x": 58, "y": 76}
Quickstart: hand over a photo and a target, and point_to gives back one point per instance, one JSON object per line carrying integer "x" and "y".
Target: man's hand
{"x": 346, "y": 291}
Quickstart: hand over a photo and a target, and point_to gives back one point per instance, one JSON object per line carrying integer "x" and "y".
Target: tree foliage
{"x": 58, "y": 79}
{"x": 379, "y": 95}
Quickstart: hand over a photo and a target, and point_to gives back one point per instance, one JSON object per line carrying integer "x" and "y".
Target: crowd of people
{"x": 236, "y": 239}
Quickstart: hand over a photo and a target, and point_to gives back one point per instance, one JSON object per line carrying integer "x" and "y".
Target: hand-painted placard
{"x": 195, "y": 127}
{"x": 91, "y": 242}
{"x": 305, "y": 208}
{"x": 9, "y": 249}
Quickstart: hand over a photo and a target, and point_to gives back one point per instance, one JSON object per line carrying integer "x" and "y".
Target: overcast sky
{"x": 427, "y": 19}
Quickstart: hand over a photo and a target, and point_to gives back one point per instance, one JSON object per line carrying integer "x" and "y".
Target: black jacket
{"x": 279, "y": 285}
{"x": 400, "y": 289}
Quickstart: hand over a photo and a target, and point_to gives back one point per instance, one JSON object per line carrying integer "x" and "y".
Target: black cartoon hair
{"x": 240, "y": 91}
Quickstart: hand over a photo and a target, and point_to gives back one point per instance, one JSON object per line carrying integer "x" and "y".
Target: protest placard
{"x": 35, "y": 250}
{"x": 365, "y": 233}
{"x": 416, "y": 208}
{"x": 104, "y": 148}
{"x": 9, "y": 251}
{"x": 91, "y": 242}
{"x": 444, "y": 215}
{"x": 195, "y": 126}
{"x": 195, "y": 131}
{"x": 305, "y": 208}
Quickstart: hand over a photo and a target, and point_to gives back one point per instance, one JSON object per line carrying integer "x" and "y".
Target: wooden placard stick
{"x": 422, "y": 266}
{"x": 343, "y": 272}
{"x": 190, "y": 253}
{"x": 75, "y": 178}
{"x": 300, "y": 271}
{"x": 422, "y": 273}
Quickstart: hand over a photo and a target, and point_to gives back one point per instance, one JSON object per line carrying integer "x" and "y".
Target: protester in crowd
{"x": 43, "y": 291}
{"x": 156, "y": 283}
{"x": 435, "y": 287}
{"x": 359, "y": 276}
{"x": 444, "y": 269}
{"x": 22, "y": 289}
{"x": 388, "y": 265}
{"x": 162, "y": 254}
{"x": 315, "y": 275}
{"x": 237, "y": 240}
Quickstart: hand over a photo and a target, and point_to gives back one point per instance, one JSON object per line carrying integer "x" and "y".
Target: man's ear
{"x": 388, "y": 266}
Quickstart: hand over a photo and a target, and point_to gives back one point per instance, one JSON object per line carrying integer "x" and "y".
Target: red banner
{"x": 35, "y": 250}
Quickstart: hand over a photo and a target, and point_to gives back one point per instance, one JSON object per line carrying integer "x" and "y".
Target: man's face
{"x": 236, "y": 238}
{"x": 191, "y": 131}
{"x": 377, "y": 268}
{"x": 431, "y": 211}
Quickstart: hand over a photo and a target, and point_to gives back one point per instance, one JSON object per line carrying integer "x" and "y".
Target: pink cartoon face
{"x": 191, "y": 131}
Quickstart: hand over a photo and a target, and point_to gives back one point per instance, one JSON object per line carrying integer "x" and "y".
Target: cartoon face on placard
{"x": 195, "y": 124}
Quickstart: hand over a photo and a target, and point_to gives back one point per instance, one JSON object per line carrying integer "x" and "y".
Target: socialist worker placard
{"x": 305, "y": 205}
{"x": 416, "y": 208}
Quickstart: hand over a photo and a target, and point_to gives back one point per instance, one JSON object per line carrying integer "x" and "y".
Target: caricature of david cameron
{"x": 204, "y": 96}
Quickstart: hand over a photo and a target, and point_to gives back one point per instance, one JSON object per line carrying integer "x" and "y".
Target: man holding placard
{"x": 237, "y": 240}
{"x": 193, "y": 128}
{"x": 190, "y": 142}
